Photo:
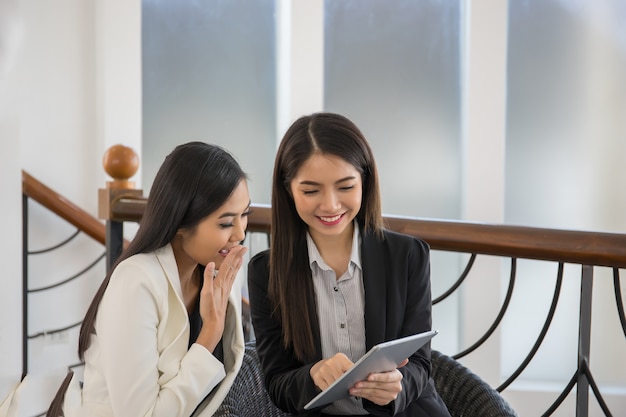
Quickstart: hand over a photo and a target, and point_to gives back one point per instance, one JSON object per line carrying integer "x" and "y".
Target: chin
{"x": 334, "y": 231}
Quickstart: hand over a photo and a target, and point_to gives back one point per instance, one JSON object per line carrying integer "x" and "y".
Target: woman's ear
{"x": 186, "y": 231}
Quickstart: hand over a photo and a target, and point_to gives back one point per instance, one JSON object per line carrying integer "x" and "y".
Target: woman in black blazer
{"x": 334, "y": 282}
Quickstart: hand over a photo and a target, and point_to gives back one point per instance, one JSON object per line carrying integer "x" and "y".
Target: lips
{"x": 224, "y": 252}
{"x": 331, "y": 220}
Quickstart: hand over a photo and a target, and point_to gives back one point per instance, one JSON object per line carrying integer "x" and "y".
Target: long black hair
{"x": 290, "y": 283}
{"x": 194, "y": 181}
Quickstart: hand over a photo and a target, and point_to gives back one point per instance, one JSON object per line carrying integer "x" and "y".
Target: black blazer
{"x": 396, "y": 277}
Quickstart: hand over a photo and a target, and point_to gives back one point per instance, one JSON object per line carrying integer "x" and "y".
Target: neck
{"x": 186, "y": 265}
{"x": 333, "y": 246}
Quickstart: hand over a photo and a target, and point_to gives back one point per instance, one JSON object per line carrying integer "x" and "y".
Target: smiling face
{"x": 327, "y": 192}
{"x": 217, "y": 233}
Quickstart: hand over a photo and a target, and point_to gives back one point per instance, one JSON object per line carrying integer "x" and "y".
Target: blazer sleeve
{"x": 134, "y": 308}
{"x": 418, "y": 318}
{"x": 287, "y": 379}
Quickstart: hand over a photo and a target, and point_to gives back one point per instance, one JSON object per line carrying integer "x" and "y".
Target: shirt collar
{"x": 355, "y": 257}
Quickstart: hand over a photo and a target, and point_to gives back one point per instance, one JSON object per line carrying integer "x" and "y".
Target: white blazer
{"x": 138, "y": 364}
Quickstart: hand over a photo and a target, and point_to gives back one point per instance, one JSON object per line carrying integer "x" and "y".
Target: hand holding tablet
{"x": 383, "y": 357}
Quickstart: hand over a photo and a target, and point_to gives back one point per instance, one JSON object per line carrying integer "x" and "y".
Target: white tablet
{"x": 383, "y": 357}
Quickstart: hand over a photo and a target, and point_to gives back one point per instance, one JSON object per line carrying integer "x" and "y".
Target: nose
{"x": 239, "y": 231}
{"x": 330, "y": 202}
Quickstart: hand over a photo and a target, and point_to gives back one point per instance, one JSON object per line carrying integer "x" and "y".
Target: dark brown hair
{"x": 290, "y": 285}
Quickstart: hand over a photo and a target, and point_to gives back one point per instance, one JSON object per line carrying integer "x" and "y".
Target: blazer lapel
{"x": 373, "y": 257}
{"x": 179, "y": 323}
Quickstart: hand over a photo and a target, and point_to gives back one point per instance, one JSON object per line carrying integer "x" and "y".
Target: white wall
{"x": 69, "y": 88}
{"x": 10, "y": 186}
{"x": 300, "y": 61}
{"x": 484, "y": 115}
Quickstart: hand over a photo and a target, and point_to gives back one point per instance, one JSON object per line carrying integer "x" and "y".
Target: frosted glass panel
{"x": 566, "y": 144}
{"x": 209, "y": 74}
{"x": 394, "y": 67}
{"x": 566, "y": 124}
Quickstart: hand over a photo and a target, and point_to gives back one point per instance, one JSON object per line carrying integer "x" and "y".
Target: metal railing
{"x": 86, "y": 227}
{"x": 586, "y": 249}
{"x": 85, "y": 224}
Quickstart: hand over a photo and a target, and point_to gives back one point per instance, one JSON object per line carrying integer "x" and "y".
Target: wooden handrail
{"x": 127, "y": 209}
{"x": 571, "y": 246}
{"x": 64, "y": 208}
{"x": 580, "y": 247}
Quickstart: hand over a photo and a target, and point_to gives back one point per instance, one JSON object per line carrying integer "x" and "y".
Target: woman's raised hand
{"x": 214, "y": 296}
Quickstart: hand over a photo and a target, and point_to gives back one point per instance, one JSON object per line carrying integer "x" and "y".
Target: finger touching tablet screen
{"x": 383, "y": 357}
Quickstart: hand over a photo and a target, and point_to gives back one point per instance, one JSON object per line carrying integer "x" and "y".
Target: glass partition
{"x": 209, "y": 74}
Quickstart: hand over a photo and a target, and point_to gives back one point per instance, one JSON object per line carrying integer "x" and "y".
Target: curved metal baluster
{"x": 498, "y": 319}
{"x": 51, "y": 248}
{"x": 542, "y": 334}
{"x": 458, "y": 282}
{"x": 596, "y": 391}
{"x": 568, "y": 388}
{"x": 62, "y": 329}
{"x": 618, "y": 299}
{"x": 94, "y": 263}
{"x": 561, "y": 398}
{"x": 75, "y": 365}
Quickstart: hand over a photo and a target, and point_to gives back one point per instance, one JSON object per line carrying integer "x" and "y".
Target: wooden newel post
{"x": 120, "y": 163}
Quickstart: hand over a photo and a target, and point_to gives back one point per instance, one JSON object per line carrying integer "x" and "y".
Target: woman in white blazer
{"x": 163, "y": 334}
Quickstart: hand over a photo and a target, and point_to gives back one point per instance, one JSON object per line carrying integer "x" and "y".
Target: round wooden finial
{"x": 121, "y": 163}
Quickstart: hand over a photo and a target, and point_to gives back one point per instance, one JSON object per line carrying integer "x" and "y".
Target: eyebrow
{"x": 306, "y": 182}
{"x": 229, "y": 214}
